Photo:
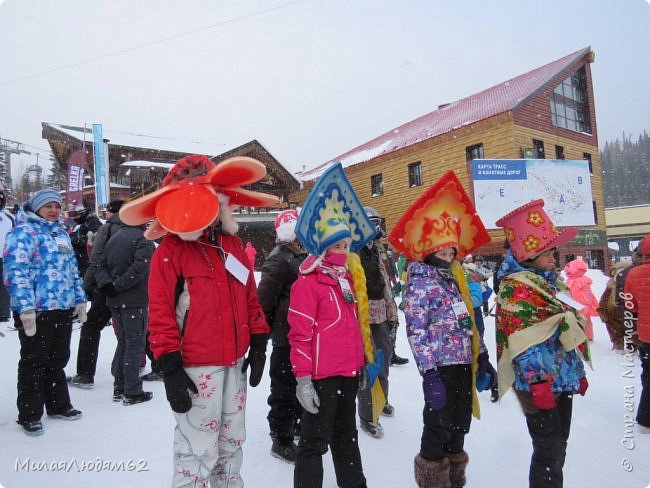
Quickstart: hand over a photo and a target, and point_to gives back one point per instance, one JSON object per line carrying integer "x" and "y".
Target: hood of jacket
{"x": 575, "y": 268}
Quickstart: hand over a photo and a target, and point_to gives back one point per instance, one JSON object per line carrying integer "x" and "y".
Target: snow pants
{"x": 285, "y": 409}
{"x": 208, "y": 438}
{"x": 445, "y": 429}
{"x": 335, "y": 425}
{"x": 98, "y": 317}
{"x": 549, "y": 431}
{"x": 43, "y": 357}
{"x": 381, "y": 340}
{"x": 643, "y": 413}
{"x": 131, "y": 325}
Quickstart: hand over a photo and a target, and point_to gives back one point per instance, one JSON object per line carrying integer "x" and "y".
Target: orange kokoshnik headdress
{"x": 194, "y": 193}
{"x": 442, "y": 217}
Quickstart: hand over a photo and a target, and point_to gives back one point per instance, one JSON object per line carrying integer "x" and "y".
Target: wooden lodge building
{"x": 138, "y": 164}
{"x": 547, "y": 113}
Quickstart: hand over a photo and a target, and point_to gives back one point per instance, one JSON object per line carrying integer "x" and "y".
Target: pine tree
{"x": 626, "y": 171}
{"x": 56, "y": 178}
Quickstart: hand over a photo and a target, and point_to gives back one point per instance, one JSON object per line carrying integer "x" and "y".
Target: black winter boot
{"x": 432, "y": 474}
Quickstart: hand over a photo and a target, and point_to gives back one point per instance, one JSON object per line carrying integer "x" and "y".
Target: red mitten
{"x": 584, "y": 384}
{"x": 543, "y": 397}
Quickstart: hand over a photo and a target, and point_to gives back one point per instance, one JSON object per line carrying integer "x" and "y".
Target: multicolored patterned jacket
{"x": 40, "y": 268}
{"x": 540, "y": 334}
{"x": 435, "y": 335}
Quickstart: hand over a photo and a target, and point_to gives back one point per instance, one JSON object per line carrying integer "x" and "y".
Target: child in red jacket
{"x": 204, "y": 349}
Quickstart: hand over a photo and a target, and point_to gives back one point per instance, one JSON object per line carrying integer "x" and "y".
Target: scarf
{"x": 528, "y": 313}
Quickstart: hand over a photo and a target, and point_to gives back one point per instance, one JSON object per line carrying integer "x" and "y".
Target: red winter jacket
{"x": 324, "y": 334}
{"x": 223, "y": 313}
{"x": 637, "y": 290}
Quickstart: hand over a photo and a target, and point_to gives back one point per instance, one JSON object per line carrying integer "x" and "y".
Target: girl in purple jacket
{"x": 436, "y": 231}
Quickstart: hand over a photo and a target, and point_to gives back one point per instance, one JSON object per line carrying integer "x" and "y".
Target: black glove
{"x": 176, "y": 381}
{"x": 108, "y": 289}
{"x": 256, "y": 358}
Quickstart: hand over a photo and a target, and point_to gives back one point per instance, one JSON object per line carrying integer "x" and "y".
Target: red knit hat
{"x": 530, "y": 231}
{"x": 285, "y": 225}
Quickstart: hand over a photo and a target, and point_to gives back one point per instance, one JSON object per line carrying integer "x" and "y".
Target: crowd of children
{"x": 326, "y": 301}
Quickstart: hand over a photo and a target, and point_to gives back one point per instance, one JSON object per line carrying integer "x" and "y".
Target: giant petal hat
{"x": 530, "y": 231}
{"x": 442, "y": 217}
{"x": 188, "y": 200}
{"x": 332, "y": 212}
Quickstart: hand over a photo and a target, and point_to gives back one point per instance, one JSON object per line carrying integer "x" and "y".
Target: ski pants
{"x": 208, "y": 438}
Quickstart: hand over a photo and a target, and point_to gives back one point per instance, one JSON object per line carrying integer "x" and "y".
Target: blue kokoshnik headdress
{"x": 332, "y": 212}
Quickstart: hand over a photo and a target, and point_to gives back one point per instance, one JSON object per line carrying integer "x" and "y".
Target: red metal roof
{"x": 490, "y": 102}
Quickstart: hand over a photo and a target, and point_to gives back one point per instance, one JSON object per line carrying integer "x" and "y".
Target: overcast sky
{"x": 310, "y": 79}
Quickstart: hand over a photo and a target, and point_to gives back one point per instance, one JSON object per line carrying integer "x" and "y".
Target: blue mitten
{"x": 435, "y": 395}
{"x": 373, "y": 369}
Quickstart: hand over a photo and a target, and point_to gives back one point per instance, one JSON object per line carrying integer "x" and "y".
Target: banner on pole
{"x": 101, "y": 174}
{"x": 76, "y": 173}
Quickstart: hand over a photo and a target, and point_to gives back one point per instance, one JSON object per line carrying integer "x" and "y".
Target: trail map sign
{"x": 501, "y": 185}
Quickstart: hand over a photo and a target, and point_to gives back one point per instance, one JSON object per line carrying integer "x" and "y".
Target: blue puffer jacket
{"x": 434, "y": 333}
{"x": 40, "y": 269}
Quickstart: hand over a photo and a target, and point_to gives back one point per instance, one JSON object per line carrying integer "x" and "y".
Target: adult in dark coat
{"x": 122, "y": 275}
{"x": 86, "y": 224}
{"x": 99, "y": 313}
{"x": 279, "y": 272}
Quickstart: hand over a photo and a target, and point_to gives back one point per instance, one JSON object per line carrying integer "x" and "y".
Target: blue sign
{"x": 499, "y": 169}
{"x": 101, "y": 180}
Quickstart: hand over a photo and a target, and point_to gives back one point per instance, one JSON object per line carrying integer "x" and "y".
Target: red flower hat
{"x": 189, "y": 199}
{"x": 530, "y": 231}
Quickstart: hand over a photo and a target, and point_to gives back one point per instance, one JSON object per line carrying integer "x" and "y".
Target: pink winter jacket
{"x": 324, "y": 333}
{"x": 580, "y": 286}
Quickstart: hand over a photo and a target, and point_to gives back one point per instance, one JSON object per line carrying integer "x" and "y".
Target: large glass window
{"x": 415, "y": 174}
{"x": 569, "y": 103}
{"x": 377, "y": 185}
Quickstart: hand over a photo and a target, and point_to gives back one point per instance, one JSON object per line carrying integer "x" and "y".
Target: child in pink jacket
{"x": 329, "y": 343}
{"x": 580, "y": 287}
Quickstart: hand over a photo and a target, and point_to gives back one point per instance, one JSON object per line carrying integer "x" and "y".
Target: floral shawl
{"x": 528, "y": 314}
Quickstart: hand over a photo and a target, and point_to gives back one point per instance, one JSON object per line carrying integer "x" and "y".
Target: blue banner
{"x": 499, "y": 169}
{"x": 101, "y": 180}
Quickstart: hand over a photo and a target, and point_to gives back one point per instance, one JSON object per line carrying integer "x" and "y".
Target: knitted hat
{"x": 114, "y": 206}
{"x": 442, "y": 217}
{"x": 530, "y": 231}
{"x": 332, "y": 212}
{"x": 43, "y": 197}
{"x": 285, "y": 225}
{"x": 194, "y": 193}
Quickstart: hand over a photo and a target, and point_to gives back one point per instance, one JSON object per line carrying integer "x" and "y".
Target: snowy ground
{"x": 140, "y": 437}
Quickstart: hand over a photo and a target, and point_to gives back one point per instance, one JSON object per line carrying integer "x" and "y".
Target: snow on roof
{"x": 147, "y": 164}
{"x": 129, "y": 139}
{"x": 487, "y": 103}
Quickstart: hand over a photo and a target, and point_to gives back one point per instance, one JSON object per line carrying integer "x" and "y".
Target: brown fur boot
{"x": 432, "y": 474}
{"x": 458, "y": 463}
